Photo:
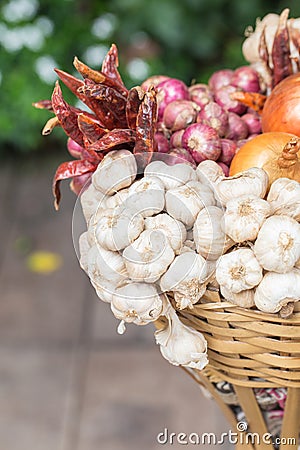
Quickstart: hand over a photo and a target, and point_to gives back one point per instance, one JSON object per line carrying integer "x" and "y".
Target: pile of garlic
{"x": 179, "y": 230}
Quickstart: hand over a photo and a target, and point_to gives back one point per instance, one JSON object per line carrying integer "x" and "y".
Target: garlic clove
{"x": 118, "y": 228}
{"x": 174, "y": 230}
{"x": 117, "y": 199}
{"x": 149, "y": 256}
{"x": 84, "y": 247}
{"x": 171, "y": 176}
{"x": 210, "y": 239}
{"x": 277, "y": 290}
{"x": 180, "y": 344}
{"x": 116, "y": 171}
{"x": 209, "y": 172}
{"x": 284, "y": 197}
{"x": 91, "y": 200}
{"x": 238, "y": 270}
{"x": 277, "y": 247}
{"x": 244, "y": 216}
{"x": 186, "y": 276}
{"x": 244, "y": 299}
{"x": 184, "y": 203}
{"x": 138, "y": 303}
{"x": 105, "y": 290}
{"x": 146, "y": 196}
{"x": 253, "y": 181}
{"x": 105, "y": 264}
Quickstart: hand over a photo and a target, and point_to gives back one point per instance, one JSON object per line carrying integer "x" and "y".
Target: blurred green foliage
{"x": 187, "y": 39}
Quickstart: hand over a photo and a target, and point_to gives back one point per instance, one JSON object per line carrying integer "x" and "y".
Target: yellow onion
{"x": 275, "y": 152}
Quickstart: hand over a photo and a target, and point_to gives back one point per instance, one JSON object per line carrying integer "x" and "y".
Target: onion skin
{"x": 281, "y": 111}
{"x": 266, "y": 152}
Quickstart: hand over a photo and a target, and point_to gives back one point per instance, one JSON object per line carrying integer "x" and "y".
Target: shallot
{"x": 162, "y": 142}
{"x": 179, "y": 114}
{"x": 227, "y": 152}
{"x": 246, "y": 78}
{"x": 223, "y": 98}
{"x": 176, "y": 139}
{"x": 253, "y": 122}
{"x": 237, "y": 127}
{"x": 168, "y": 91}
{"x": 214, "y": 115}
{"x": 220, "y": 78}
{"x": 200, "y": 94}
{"x": 202, "y": 141}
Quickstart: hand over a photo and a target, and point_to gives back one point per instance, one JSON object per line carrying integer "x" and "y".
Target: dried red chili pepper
{"x": 145, "y": 126}
{"x": 66, "y": 115}
{"x": 110, "y": 66}
{"x": 134, "y": 100}
{"x": 50, "y": 125}
{"x": 281, "y": 56}
{"x": 113, "y": 139}
{"x": 253, "y": 100}
{"x": 90, "y": 127}
{"x": 43, "y": 104}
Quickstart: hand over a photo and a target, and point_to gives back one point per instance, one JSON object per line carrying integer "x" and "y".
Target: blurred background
{"x": 67, "y": 380}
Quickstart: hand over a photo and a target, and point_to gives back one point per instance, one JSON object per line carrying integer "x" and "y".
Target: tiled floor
{"x": 67, "y": 380}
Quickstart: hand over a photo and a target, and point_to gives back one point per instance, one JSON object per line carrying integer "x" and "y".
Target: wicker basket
{"x": 250, "y": 349}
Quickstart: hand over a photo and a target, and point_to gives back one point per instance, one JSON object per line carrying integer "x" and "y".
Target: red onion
{"x": 223, "y": 98}
{"x": 176, "y": 139}
{"x": 200, "y": 94}
{"x": 220, "y": 78}
{"x": 246, "y": 78}
{"x": 179, "y": 114}
{"x": 74, "y": 149}
{"x": 168, "y": 91}
{"x": 227, "y": 152}
{"x": 214, "y": 116}
{"x": 224, "y": 167}
{"x": 237, "y": 128}
{"x": 153, "y": 81}
{"x": 253, "y": 122}
{"x": 161, "y": 142}
{"x": 202, "y": 141}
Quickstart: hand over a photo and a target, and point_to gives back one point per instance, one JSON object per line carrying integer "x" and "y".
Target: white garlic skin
{"x": 238, "y": 270}
{"x": 185, "y": 202}
{"x": 244, "y": 299}
{"x": 116, "y": 171}
{"x": 284, "y": 198}
{"x": 276, "y": 290}
{"x": 174, "y": 230}
{"x": 113, "y": 201}
{"x": 105, "y": 264}
{"x": 92, "y": 200}
{"x": 180, "y": 344}
{"x": 210, "y": 239}
{"x": 146, "y": 196}
{"x": 253, "y": 181}
{"x": 139, "y": 303}
{"x": 84, "y": 247}
{"x": 171, "y": 176}
{"x": 209, "y": 172}
{"x": 277, "y": 247}
{"x": 244, "y": 216}
{"x": 118, "y": 228}
{"x": 148, "y": 257}
{"x": 186, "y": 277}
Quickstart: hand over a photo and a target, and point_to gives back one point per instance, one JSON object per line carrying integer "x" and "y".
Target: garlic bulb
{"x": 91, "y": 200}
{"x": 146, "y": 196}
{"x": 210, "y": 239}
{"x": 244, "y": 216}
{"x": 138, "y": 303}
{"x": 244, "y": 299}
{"x": 184, "y": 202}
{"x": 171, "y": 176}
{"x": 276, "y": 290}
{"x": 172, "y": 228}
{"x": 238, "y": 270}
{"x": 149, "y": 256}
{"x": 116, "y": 171}
{"x": 284, "y": 197}
{"x": 117, "y": 228}
{"x": 277, "y": 247}
{"x": 209, "y": 172}
{"x": 180, "y": 344}
{"x": 105, "y": 264}
{"x": 253, "y": 181}
{"x": 186, "y": 276}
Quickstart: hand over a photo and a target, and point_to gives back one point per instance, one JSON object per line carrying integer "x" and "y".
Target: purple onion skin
{"x": 223, "y": 98}
{"x": 179, "y": 114}
{"x": 179, "y": 156}
{"x": 168, "y": 91}
{"x": 224, "y": 167}
{"x": 214, "y": 115}
{"x": 176, "y": 139}
{"x": 228, "y": 151}
{"x": 153, "y": 81}
{"x": 246, "y": 78}
{"x": 202, "y": 141}
{"x": 237, "y": 127}
{"x": 162, "y": 143}
{"x": 241, "y": 142}
{"x": 253, "y": 122}
{"x": 200, "y": 94}
{"x": 220, "y": 78}
{"x": 74, "y": 149}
